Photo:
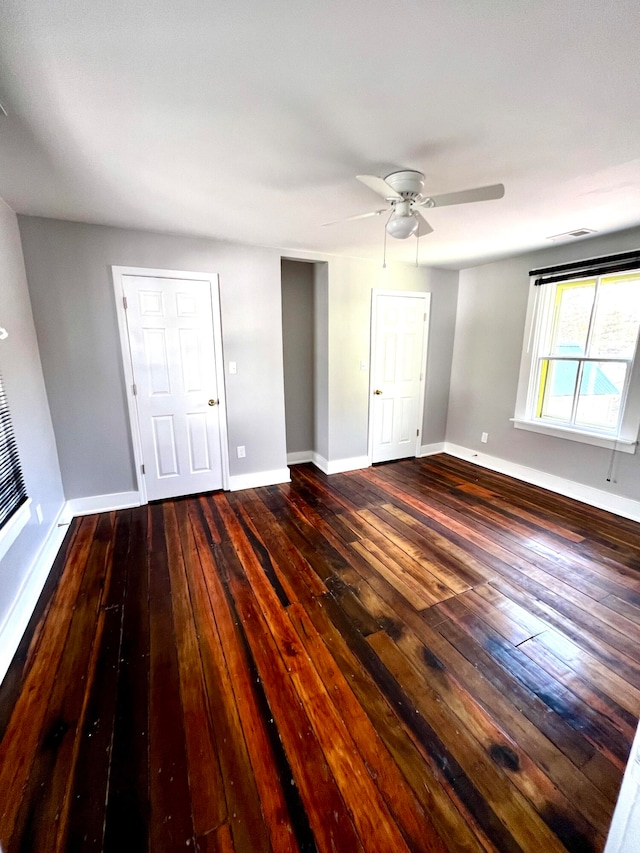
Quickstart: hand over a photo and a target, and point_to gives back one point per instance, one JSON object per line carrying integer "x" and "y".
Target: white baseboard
{"x": 262, "y": 478}
{"x": 102, "y": 503}
{"x": 431, "y": 449}
{"x": 626, "y": 507}
{"x": 17, "y": 619}
{"x": 339, "y": 466}
{"x": 320, "y": 462}
{"x": 299, "y": 456}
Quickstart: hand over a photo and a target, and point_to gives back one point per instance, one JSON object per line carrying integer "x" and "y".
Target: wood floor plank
{"x": 205, "y": 783}
{"x": 14, "y": 681}
{"x": 424, "y": 655}
{"x": 523, "y": 828}
{"x": 24, "y": 730}
{"x": 127, "y": 806}
{"x": 311, "y": 772}
{"x": 272, "y": 774}
{"x": 43, "y": 814}
{"x": 88, "y": 799}
{"x": 350, "y": 774}
{"x": 170, "y": 819}
{"x": 411, "y": 818}
{"x": 240, "y": 788}
{"x": 506, "y": 741}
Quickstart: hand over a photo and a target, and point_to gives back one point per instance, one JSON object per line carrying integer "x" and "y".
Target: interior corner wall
{"x": 492, "y": 304}
{"x": 25, "y": 389}
{"x": 321, "y": 348}
{"x": 298, "y": 349}
{"x": 349, "y": 332}
{"x": 68, "y": 269}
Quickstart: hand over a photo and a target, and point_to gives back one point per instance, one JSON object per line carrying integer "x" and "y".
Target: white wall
{"x": 21, "y": 577}
{"x": 624, "y": 834}
{"x": 68, "y": 267}
{"x": 492, "y": 302}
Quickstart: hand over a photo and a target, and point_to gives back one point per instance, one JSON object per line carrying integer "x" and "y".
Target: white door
{"x": 398, "y": 367}
{"x": 177, "y": 393}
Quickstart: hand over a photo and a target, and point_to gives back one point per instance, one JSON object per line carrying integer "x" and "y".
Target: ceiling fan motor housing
{"x": 408, "y": 183}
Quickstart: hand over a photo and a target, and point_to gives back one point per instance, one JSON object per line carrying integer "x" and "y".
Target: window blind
{"x": 12, "y": 489}
{"x": 589, "y": 267}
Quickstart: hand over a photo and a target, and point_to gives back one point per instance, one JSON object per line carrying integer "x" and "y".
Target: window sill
{"x": 12, "y": 528}
{"x": 623, "y": 445}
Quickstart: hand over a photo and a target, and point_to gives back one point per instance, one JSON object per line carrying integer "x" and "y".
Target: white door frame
{"x": 118, "y": 274}
{"x": 375, "y": 293}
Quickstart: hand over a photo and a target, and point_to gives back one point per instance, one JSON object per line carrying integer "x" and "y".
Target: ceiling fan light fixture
{"x": 402, "y": 226}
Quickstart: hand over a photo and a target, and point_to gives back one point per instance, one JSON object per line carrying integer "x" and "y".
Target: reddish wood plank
{"x": 205, "y": 783}
{"x": 24, "y": 730}
{"x": 436, "y": 656}
{"x": 247, "y": 725}
{"x": 127, "y": 807}
{"x": 43, "y": 814}
{"x": 170, "y": 820}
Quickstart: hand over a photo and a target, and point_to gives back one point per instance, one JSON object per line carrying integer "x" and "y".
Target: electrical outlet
{"x": 363, "y": 364}
{"x": 241, "y": 451}
{"x": 484, "y": 438}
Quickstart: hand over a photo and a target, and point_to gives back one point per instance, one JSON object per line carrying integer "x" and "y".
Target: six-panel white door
{"x": 398, "y": 367}
{"x": 171, "y": 340}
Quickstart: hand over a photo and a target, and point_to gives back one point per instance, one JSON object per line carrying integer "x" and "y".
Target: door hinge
{"x": 125, "y": 303}
{"x": 417, "y": 432}
{"x": 134, "y": 388}
{"x": 142, "y": 468}
{"x": 424, "y": 319}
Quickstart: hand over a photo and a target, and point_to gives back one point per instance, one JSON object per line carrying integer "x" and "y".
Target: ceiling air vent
{"x": 578, "y": 232}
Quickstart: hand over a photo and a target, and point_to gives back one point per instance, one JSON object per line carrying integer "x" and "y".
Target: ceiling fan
{"x": 403, "y": 191}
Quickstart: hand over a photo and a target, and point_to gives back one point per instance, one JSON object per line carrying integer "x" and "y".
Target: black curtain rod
{"x": 590, "y": 266}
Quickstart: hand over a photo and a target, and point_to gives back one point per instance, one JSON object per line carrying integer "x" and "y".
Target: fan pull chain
{"x": 384, "y": 251}
{"x": 417, "y": 246}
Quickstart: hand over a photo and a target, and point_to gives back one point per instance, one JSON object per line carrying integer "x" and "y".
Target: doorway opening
{"x": 305, "y": 326}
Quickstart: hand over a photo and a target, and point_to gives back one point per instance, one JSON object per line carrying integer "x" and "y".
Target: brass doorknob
{"x": 213, "y": 402}
{"x": 377, "y": 391}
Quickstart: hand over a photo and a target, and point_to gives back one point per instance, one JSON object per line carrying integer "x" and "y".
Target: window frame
{"x": 538, "y": 332}
{"x": 19, "y": 515}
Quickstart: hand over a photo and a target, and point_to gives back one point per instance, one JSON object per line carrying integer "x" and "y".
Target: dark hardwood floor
{"x": 421, "y": 656}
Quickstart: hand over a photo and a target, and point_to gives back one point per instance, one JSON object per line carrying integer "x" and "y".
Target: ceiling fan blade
{"x": 423, "y": 226}
{"x": 465, "y": 196}
{"x": 379, "y": 186}
{"x": 357, "y": 216}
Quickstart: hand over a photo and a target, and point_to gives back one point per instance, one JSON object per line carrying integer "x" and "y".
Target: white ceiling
{"x": 247, "y": 121}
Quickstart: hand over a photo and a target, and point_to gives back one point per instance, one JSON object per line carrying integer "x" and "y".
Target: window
{"x": 14, "y": 505}
{"x": 577, "y": 378}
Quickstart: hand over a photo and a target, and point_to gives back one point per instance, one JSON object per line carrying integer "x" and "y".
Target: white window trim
{"x": 12, "y": 527}
{"x": 627, "y": 438}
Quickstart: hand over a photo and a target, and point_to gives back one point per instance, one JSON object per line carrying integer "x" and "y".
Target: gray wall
{"x": 321, "y": 358}
{"x": 489, "y": 333}
{"x": 24, "y": 384}
{"x": 350, "y": 286}
{"x": 68, "y": 268}
{"x": 298, "y": 348}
